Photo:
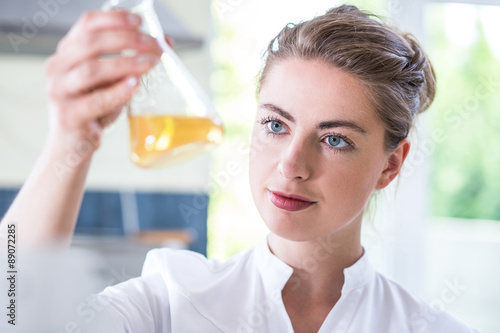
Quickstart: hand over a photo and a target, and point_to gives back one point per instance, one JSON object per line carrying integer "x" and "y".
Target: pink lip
{"x": 290, "y": 202}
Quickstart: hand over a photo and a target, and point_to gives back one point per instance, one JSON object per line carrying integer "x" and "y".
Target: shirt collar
{"x": 276, "y": 273}
{"x": 358, "y": 274}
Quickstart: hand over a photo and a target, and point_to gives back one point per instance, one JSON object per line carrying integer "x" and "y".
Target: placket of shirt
{"x": 275, "y": 274}
{"x": 342, "y": 313}
{"x": 283, "y": 312}
{"x": 356, "y": 278}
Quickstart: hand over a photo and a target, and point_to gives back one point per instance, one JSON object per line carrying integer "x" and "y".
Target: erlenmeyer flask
{"x": 170, "y": 117}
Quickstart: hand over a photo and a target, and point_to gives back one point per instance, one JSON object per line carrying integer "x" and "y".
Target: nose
{"x": 296, "y": 161}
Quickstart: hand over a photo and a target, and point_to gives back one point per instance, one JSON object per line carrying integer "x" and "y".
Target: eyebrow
{"x": 321, "y": 125}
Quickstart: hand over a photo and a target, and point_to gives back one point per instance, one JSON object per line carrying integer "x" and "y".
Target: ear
{"x": 393, "y": 164}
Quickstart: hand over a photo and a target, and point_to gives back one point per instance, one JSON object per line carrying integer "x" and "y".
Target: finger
{"x": 170, "y": 41}
{"x": 96, "y": 73}
{"x": 93, "y": 21}
{"x": 91, "y": 46}
{"x": 110, "y": 118}
{"x": 106, "y": 100}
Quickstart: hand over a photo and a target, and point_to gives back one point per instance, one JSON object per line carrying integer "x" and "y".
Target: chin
{"x": 292, "y": 231}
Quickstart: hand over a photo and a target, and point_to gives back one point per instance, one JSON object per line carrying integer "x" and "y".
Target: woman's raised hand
{"x": 86, "y": 91}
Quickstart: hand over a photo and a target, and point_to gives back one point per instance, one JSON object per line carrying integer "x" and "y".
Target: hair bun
{"x": 424, "y": 77}
{"x": 344, "y": 9}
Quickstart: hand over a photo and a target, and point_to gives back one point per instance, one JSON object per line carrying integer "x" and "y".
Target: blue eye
{"x": 275, "y": 126}
{"x": 336, "y": 141}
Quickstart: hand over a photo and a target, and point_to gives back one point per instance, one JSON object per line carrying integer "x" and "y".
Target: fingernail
{"x": 170, "y": 41}
{"x": 128, "y": 53}
{"x": 132, "y": 81}
{"x": 146, "y": 60}
{"x": 133, "y": 19}
{"x": 145, "y": 39}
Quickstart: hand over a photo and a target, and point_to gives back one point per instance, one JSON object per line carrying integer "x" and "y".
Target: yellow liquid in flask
{"x": 159, "y": 140}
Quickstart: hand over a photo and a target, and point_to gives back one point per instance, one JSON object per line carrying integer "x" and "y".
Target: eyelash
{"x": 350, "y": 147}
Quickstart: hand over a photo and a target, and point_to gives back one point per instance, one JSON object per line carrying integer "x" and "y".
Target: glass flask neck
{"x": 131, "y": 5}
{"x": 145, "y": 9}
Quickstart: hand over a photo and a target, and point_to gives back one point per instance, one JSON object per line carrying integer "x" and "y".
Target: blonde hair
{"x": 392, "y": 65}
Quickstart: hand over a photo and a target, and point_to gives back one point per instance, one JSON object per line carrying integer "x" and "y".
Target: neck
{"x": 319, "y": 263}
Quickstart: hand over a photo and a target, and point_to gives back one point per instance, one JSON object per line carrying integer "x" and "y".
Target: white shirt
{"x": 182, "y": 291}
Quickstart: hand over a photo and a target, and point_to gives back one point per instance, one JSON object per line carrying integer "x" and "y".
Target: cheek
{"x": 351, "y": 184}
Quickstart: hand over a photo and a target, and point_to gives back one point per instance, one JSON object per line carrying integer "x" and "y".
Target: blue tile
{"x": 7, "y": 196}
{"x": 101, "y": 213}
{"x": 175, "y": 211}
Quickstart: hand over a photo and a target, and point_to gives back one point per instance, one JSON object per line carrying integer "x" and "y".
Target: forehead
{"x": 312, "y": 89}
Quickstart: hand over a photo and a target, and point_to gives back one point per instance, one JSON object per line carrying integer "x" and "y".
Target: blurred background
{"x": 436, "y": 230}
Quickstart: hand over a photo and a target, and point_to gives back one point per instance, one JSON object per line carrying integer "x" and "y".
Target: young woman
{"x": 337, "y": 98}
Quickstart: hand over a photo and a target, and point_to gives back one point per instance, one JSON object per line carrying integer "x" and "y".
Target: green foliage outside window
{"x": 466, "y": 163}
